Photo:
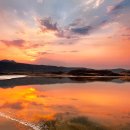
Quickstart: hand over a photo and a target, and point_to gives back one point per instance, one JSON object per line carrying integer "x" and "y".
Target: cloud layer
{"x": 31, "y": 28}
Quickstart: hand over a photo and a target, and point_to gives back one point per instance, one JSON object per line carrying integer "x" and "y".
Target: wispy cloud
{"x": 17, "y": 43}
{"x": 94, "y": 3}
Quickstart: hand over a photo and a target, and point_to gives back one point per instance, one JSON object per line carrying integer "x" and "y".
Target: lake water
{"x": 64, "y": 104}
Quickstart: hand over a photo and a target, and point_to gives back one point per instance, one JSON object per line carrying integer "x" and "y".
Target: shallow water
{"x": 2, "y": 77}
{"x": 98, "y": 105}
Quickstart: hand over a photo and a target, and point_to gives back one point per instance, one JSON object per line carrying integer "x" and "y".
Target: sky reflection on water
{"x": 105, "y": 103}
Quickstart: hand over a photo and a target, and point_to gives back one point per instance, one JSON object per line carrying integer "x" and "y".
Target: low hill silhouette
{"x": 12, "y": 67}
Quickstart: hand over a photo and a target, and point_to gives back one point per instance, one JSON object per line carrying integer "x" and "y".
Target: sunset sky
{"x": 87, "y": 33}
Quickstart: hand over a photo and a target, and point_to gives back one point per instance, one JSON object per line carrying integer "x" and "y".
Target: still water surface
{"x": 66, "y": 106}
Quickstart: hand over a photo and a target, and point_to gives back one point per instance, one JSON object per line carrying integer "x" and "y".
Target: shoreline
{"x": 34, "y": 80}
{"x": 61, "y": 75}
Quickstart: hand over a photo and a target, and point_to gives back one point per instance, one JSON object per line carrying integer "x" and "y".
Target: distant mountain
{"x": 118, "y": 70}
{"x": 121, "y": 71}
{"x": 12, "y": 67}
{"x": 8, "y": 61}
{"x": 92, "y": 72}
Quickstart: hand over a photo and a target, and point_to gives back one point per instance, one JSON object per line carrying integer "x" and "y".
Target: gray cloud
{"x": 82, "y": 26}
{"x": 82, "y": 30}
{"x": 45, "y": 53}
{"x": 48, "y": 24}
{"x": 18, "y": 42}
{"x": 115, "y": 9}
{"x": 122, "y": 5}
{"x": 87, "y": 29}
